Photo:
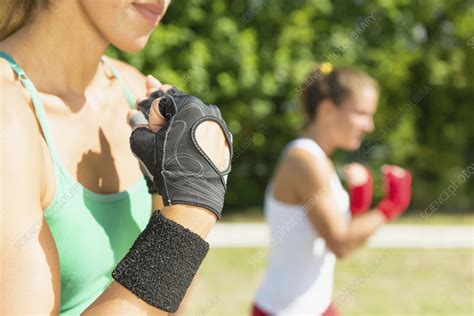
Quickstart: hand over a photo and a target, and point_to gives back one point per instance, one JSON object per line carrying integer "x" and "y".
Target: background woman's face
{"x": 124, "y": 23}
{"x": 354, "y": 118}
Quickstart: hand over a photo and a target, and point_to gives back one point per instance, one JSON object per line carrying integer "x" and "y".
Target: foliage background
{"x": 250, "y": 58}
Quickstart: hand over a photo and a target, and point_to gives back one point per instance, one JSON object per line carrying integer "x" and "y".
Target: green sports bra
{"x": 92, "y": 231}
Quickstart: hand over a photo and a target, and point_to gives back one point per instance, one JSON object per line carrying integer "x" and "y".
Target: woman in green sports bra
{"x": 75, "y": 198}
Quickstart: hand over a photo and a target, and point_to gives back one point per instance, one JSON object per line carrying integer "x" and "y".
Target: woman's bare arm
{"x": 311, "y": 181}
{"x": 211, "y": 139}
{"x": 30, "y": 281}
{"x": 117, "y": 299}
{"x": 30, "y": 263}
{"x": 141, "y": 86}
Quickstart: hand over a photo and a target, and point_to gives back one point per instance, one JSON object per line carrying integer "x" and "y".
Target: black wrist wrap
{"x": 162, "y": 263}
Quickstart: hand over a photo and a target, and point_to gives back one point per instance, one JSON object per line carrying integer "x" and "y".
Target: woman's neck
{"x": 60, "y": 51}
{"x": 316, "y": 133}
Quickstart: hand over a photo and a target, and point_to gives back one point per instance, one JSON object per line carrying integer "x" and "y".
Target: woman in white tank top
{"x": 311, "y": 217}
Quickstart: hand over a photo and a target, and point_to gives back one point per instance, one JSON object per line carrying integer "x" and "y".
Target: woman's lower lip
{"x": 147, "y": 14}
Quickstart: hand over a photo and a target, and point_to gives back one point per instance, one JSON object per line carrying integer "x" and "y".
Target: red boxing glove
{"x": 397, "y": 188}
{"x": 360, "y": 192}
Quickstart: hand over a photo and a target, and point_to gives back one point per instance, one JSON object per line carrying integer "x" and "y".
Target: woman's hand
{"x": 155, "y": 120}
{"x": 188, "y": 157}
{"x": 359, "y": 182}
{"x": 397, "y": 188}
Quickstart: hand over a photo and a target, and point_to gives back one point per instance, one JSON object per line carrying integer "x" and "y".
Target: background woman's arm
{"x": 312, "y": 183}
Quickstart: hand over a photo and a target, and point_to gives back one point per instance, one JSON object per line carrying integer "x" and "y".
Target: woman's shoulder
{"x": 132, "y": 76}
{"x": 17, "y": 112}
{"x": 298, "y": 174}
{"x": 20, "y": 132}
{"x": 306, "y": 165}
{"x": 304, "y": 162}
{"x": 15, "y": 100}
{"x": 8, "y": 79}
{"x": 20, "y": 135}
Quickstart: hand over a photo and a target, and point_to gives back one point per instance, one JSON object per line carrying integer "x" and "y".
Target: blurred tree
{"x": 251, "y": 57}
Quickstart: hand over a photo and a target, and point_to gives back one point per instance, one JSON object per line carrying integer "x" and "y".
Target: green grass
{"x": 370, "y": 282}
{"x": 438, "y": 219}
{"x": 255, "y": 215}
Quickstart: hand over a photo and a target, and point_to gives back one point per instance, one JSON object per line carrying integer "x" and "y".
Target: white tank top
{"x": 299, "y": 275}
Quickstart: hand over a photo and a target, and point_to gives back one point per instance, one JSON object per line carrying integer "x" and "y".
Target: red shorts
{"x": 330, "y": 311}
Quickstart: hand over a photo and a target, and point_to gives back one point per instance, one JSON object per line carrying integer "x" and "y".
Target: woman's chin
{"x": 132, "y": 46}
{"x": 352, "y": 146}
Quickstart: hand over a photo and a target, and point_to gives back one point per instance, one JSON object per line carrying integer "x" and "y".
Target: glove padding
{"x": 179, "y": 168}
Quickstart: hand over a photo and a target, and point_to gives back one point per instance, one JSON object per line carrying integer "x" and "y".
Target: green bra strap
{"x": 38, "y": 105}
{"x": 125, "y": 88}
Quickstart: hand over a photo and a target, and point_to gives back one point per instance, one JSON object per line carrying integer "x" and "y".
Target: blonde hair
{"x": 14, "y": 14}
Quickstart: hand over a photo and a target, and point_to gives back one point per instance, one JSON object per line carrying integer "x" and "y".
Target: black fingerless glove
{"x": 180, "y": 169}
